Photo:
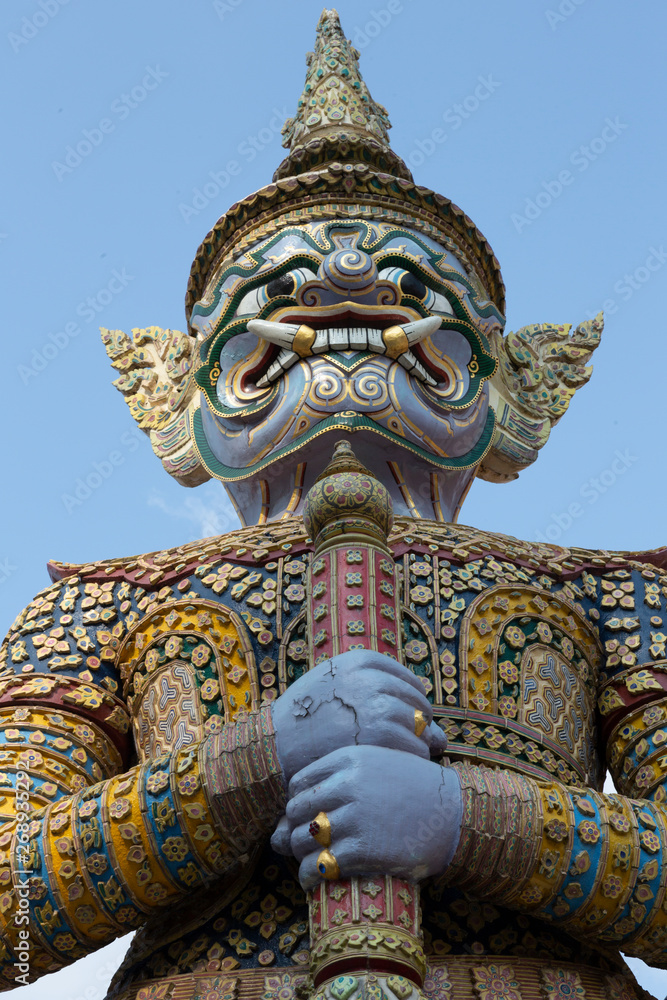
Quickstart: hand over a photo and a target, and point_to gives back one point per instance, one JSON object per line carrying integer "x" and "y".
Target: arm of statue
{"x": 594, "y": 863}
{"x": 90, "y": 847}
{"x": 94, "y": 864}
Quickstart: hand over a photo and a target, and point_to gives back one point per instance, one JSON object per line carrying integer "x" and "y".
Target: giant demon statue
{"x": 258, "y": 749}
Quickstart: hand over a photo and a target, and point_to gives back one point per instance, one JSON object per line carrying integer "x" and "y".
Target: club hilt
{"x": 364, "y": 931}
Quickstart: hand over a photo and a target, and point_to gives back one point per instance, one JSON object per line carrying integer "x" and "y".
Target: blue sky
{"x": 185, "y": 88}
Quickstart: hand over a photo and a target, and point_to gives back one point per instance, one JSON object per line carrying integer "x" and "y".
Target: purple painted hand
{"x": 357, "y": 698}
{"x": 390, "y": 812}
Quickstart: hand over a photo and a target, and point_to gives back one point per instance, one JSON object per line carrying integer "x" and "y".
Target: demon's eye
{"x": 286, "y": 284}
{"x": 410, "y": 284}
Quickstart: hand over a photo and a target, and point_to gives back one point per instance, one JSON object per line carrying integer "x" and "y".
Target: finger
{"x": 318, "y": 771}
{"x": 436, "y": 739}
{"x": 324, "y": 796}
{"x": 303, "y": 843}
{"x": 404, "y": 690}
{"x": 370, "y": 660}
{"x": 281, "y": 839}
{"x": 351, "y": 861}
{"x": 396, "y": 727}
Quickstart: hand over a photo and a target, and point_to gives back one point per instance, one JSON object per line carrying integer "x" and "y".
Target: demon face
{"x": 335, "y": 328}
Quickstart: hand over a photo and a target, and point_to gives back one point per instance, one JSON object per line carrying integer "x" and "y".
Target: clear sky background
{"x": 556, "y": 73}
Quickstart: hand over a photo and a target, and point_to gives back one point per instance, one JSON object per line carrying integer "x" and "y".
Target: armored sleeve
{"x": 89, "y": 844}
{"x": 595, "y": 863}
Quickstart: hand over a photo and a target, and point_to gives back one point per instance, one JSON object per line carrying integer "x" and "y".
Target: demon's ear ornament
{"x": 539, "y": 369}
{"x": 155, "y": 367}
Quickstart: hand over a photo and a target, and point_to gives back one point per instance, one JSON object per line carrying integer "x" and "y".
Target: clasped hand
{"x": 346, "y": 735}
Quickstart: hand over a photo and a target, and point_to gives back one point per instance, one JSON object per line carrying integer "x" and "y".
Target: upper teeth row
{"x": 302, "y": 342}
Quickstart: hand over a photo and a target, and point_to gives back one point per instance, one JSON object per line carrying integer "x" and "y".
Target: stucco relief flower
{"x": 175, "y": 848}
{"x": 644, "y": 776}
{"x": 30, "y": 758}
{"x": 200, "y": 655}
{"x": 155, "y": 892}
{"x": 421, "y": 594}
{"x": 416, "y": 650}
{"x": 97, "y": 864}
{"x": 496, "y": 982}
{"x": 298, "y": 650}
{"x": 544, "y": 632}
{"x": 619, "y": 822}
{"x": 562, "y": 984}
{"x": 567, "y": 647}
{"x": 157, "y": 782}
{"x": 509, "y": 671}
{"x": 650, "y": 840}
{"x": 210, "y": 689}
{"x": 483, "y": 626}
{"x": 508, "y": 707}
{"x": 437, "y": 985}
{"x": 173, "y": 646}
{"x": 188, "y": 784}
{"x": 120, "y": 808}
{"x": 618, "y": 594}
{"x": 588, "y": 831}
{"x": 612, "y": 886}
{"x": 152, "y": 659}
{"x": 421, "y": 569}
{"x": 556, "y": 830}
{"x": 514, "y": 637}
{"x": 295, "y": 592}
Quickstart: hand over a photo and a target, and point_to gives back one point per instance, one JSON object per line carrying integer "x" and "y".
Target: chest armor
{"x": 507, "y": 652}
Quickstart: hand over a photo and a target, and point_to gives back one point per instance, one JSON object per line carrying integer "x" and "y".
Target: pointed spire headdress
{"x": 340, "y": 165}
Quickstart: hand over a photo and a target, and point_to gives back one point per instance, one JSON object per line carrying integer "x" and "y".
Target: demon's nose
{"x": 349, "y": 271}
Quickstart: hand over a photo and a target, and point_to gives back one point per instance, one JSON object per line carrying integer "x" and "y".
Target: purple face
{"x": 338, "y": 328}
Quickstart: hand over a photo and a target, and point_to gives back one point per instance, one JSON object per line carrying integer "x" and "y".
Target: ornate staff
{"x": 365, "y": 931}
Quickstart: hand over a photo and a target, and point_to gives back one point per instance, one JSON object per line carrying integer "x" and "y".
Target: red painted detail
{"x": 364, "y": 963}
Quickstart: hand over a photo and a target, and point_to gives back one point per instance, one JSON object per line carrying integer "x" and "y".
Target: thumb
{"x": 436, "y": 739}
{"x": 280, "y": 841}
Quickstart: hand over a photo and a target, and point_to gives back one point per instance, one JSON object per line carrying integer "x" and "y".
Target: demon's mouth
{"x": 288, "y": 343}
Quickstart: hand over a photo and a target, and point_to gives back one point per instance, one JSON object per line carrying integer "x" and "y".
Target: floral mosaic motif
{"x": 215, "y": 988}
{"x": 495, "y": 982}
{"x": 157, "y": 991}
{"x": 437, "y": 985}
{"x": 281, "y": 986}
{"x": 561, "y": 984}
